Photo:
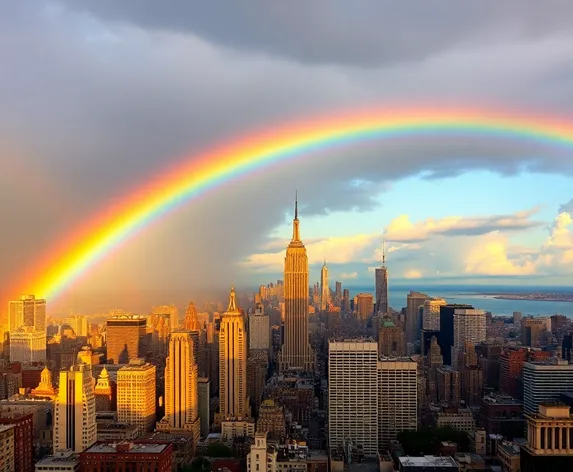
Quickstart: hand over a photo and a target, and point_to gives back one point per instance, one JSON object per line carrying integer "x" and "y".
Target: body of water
{"x": 475, "y": 296}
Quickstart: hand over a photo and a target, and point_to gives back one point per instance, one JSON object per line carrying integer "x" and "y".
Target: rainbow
{"x": 66, "y": 263}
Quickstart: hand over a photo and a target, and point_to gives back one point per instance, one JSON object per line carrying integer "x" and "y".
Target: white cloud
{"x": 349, "y": 276}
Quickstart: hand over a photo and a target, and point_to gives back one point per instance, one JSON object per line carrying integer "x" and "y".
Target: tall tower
{"x": 233, "y": 363}
{"x": 324, "y": 290}
{"x": 181, "y": 397}
{"x": 381, "y": 275}
{"x": 296, "y": 352}
{"x": 74, "y": 411}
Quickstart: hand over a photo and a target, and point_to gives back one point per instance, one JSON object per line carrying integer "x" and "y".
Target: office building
{"x": 259, "y": 329}
{"x": 381, "y": 286}
{"x": 60, "y": 462}
{"x": 204, "y": 405}
{"x": 271, "y": 419}
{"x": 79, "y": 324}
{"x": 414, "y": 300}
{"x": 391, "y": 339}
{"x": 296, "y": 353}
{"x": 431, "y": 314}
{"x": 128, "y": 456}
{"x": 353, "y": 408}
{"x": 544, "y": 381}
{"x": 136, "y": 394}
{"x": 324, "y": 288}
{"x": 27, "y": 312}
{"x": 346, "y": 300}
{"x": 103, "y": 392}
{"x": 169, "y": 313}
{"x": 532, "y": 329}
{"x": 364, "y": 306}
{"x": 446, "y": 336}
{"x": 469, "y": 327}
{"x": 233, "y": 400}
{"x": 126, "y": 335}
{"x": 74, "y": 411}
{"x": 549, "y": 439}
{"x": 27, "y": 345}
{"x": 181, "y": 387}
{"x": 397, "y": 398}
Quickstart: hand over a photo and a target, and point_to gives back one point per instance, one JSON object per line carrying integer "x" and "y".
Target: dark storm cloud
{"x": 94, "y": 105}
{"x": 364, "y": 32}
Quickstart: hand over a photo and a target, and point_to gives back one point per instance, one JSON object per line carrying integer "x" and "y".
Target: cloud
{"x": 349, "y": 276}
{"x": 413, "y": 274}
{"x": 402, "y": 229}
{"x": 102, "y": 96}
{"x": 336, "y": 32}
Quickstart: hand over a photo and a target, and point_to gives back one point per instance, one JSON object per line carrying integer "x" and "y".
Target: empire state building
{"x": 296, "y": 353}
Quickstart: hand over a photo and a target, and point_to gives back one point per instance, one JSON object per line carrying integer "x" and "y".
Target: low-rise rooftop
{"x": 428, "y": 461}
{"x": 125, "y": 447}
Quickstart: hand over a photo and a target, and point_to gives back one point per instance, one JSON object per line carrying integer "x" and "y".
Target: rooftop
{"x": 103, "y": 425}
{"x": 500, "y": 399}
{"x": 132, "y": 448}
{"x": 509, "y": 448}
{"x": 428, "y": 461}
{"x": 5, "y": 427}
{"x": 60, "y": 458}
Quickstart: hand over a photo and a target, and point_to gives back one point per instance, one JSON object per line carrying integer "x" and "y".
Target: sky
{"x": 101, "y": 96}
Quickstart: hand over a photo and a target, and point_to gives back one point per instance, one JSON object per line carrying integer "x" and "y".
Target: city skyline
{"x": 66, "y": 179}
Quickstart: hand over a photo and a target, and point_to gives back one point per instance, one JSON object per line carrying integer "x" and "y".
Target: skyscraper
{"x": 469, "y": 327}
{"x": 75, "y": 411}
{"x": 126, "y": 335}
{"x": 29, "y": 312}
{"x": 381, "y": 279}
{"x": 353, "y": 394}
{"x": 233, "y": 363}
{"x": 413, "y": 302}
{"x": 324, "y": 289}
{"x": 296, "y": 352}
{"x": 181, "y": 397}
{"x": 397, "y": 398}
{"x": 136, "y": 395}
{"x": 259, "y": 329}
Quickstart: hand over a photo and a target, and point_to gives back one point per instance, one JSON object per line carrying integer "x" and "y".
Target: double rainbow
{"x": 102, "y": 234}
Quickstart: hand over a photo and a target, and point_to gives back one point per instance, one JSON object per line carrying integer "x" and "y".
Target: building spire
{"x": 384, "y": 250}
{"x": 295, "y": 228}
{"x": 232, "y": 301}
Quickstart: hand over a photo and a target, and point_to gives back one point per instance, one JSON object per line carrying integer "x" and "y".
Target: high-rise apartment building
{"x": 544, "y": 381}
{"x": 296, "y": 353}
{"x": 74, "y": 411}
{"x": 381, "y": 281}
{"x": 469, "y": 327}
{"x": 353, "y": 413}
{"x": 397, "y": 398}
{"x": 414, "y": 300}
{"x": 136, "y": 393}
{"x": 259, "y": 329}
{"x": 324, "y": 288}
{"x": 181, "y": 394}
{"x": 364, "y": 306}
{"x": 27, "y": 312}
{"x": 233, "y": 402}
{"x": 126, "y": 335}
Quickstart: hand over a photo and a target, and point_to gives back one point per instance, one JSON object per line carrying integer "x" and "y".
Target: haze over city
{"x": 116, "y": 93}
